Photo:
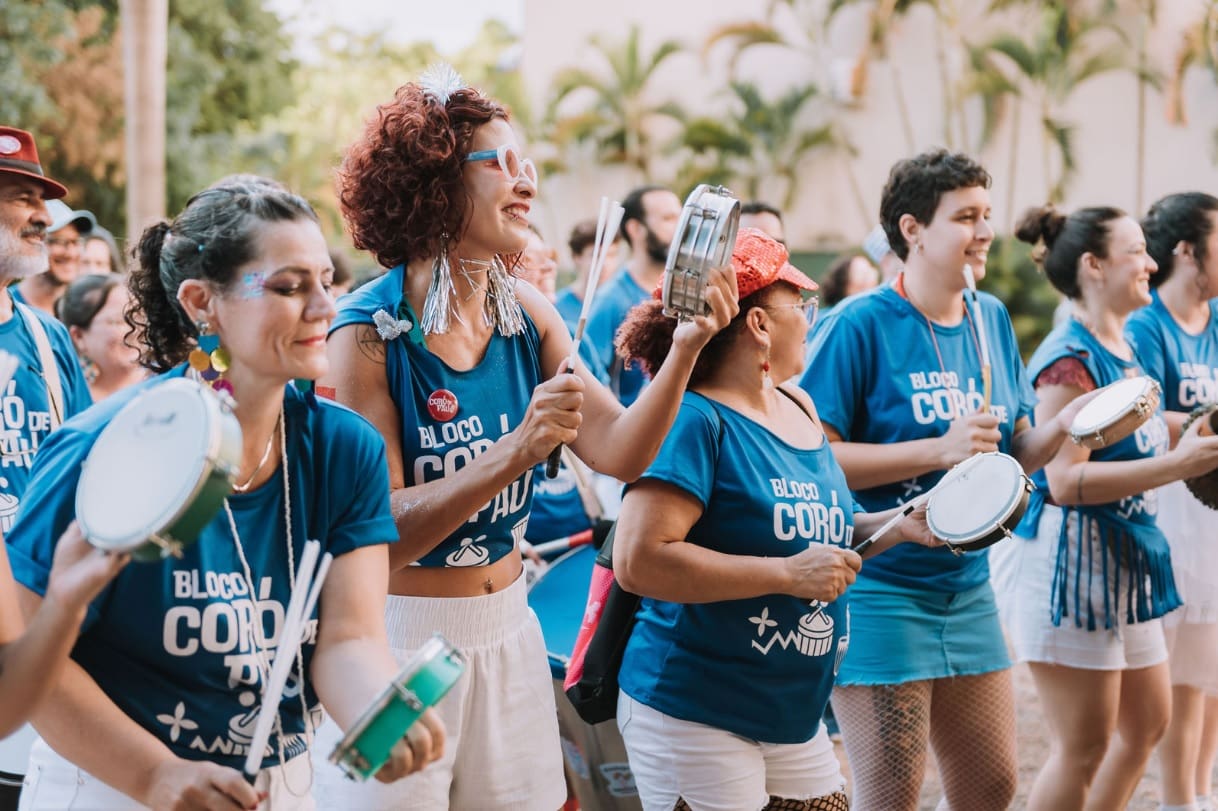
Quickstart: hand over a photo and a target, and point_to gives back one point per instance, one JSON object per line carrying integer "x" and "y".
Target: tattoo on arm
{"x": 371, "y": 346}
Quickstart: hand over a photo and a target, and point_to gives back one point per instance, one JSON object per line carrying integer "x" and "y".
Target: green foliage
{"x": 1012, "y": 276}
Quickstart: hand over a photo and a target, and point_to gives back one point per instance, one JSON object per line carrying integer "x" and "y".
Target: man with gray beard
{"x": 48, "y": 386}
{"x": 45, "y": 388}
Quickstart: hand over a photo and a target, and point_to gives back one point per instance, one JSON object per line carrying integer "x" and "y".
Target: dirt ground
{"x": 1033, "y": 748}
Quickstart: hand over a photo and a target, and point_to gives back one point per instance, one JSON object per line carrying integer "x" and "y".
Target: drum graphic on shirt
{"x": 469, "y": 553}
{"x": 815, "y": 633}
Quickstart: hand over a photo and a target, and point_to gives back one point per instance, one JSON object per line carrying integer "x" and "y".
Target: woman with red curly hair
{"x": 462, "y": 369}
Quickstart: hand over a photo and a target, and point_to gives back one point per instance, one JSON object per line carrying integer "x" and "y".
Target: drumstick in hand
{"x": 607, "y": 224}
{"x": 971, "y": 281}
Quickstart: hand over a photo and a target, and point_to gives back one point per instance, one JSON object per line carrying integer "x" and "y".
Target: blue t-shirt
{"x": 172, "y": 642}
{"x": 558, "y": 510}
{"x": 1185, "y": 365}
{"x": 761, "y": 667}
{"x": 613, "y": 301}
{"x": 569, "y": 306}
{"x": 450, "y": 417}
{"x": 25, "y": 406}
{"x": 881, "y": 373}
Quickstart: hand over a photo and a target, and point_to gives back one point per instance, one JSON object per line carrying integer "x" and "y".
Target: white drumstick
{"x": 285, "y": 656}
{"x": 983, "y": 343}
{"x": 606, "y": 232}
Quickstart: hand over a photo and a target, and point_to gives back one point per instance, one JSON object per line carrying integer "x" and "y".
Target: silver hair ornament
{"x": 440, "y": 81}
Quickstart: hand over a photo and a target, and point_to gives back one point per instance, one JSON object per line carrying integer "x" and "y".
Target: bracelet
{"x": 1081, "y": 468}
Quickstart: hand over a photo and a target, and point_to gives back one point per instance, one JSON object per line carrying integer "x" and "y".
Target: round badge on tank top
{"x": 442, "y": 405}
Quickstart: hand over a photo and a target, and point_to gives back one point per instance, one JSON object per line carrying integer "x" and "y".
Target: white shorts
{"x": 1192, "y": 649}
{"x": 1192, "y": 532}
{"x": 52, "y": 783}
{"x": 714, "y": 770}
{"x": 1022, "y": 574}
{"x": 501, "y": 747}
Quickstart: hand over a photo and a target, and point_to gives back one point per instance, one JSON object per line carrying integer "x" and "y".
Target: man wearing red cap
{"x": 40, "y": 386}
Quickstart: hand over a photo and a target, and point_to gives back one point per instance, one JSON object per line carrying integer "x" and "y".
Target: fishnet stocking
{"x": 972, "y": 730}
{"x": 830, "y": 802}
{"x": 885, "y": 730}
{"x": 970, "y": 722}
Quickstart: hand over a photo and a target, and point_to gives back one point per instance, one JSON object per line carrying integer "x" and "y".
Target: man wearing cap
{"x": 48, "y": 386}
{"x": 64, "y": 242}
{"x": 45, "y": 388}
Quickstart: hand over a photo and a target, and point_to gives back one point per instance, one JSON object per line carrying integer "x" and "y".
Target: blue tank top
{"x": 761, "y": 667}
{"x": 880, "y": 373}
{"x": 450, "y": 417}
{"x": 1123, "y": 531}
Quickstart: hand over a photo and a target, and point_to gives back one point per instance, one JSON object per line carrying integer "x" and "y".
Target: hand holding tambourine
{"x": 1199, "y": 445}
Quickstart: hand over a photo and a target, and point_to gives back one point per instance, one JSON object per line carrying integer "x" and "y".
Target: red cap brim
{"x": 52, "y": 190}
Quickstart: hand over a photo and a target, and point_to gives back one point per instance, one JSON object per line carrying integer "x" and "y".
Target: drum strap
{"x": 50, "y": 369}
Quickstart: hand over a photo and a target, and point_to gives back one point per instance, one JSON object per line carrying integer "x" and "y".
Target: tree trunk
{"x": 1011, "y": 165}
{"x": 902, "y": 108}
{"x": 145, "y": 29}
{"x": 1140, "y": 166}
{"x": 949, "y": 97}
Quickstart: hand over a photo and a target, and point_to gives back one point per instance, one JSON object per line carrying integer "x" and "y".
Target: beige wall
{"x": 826, "y": 215}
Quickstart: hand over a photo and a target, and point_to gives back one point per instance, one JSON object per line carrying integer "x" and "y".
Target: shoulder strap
{"x": 802, "y": 407}
{"x": 50, "y": 369}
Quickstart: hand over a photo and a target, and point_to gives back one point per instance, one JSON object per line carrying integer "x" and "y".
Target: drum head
{"x": 974, "y": 497}
{"x": 146, "y": 465}
{"x": 1109, "y": 405}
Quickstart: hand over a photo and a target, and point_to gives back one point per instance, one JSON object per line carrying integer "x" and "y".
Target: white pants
{"x": 52, "y": 783}
{"x": 501, "y": 746}
{"x": 715, "y": 770}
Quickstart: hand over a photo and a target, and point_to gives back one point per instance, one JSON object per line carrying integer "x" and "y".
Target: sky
{"x": 450, "y": 24}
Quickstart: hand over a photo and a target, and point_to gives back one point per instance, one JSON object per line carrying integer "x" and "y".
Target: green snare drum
{"x": 159, "y": 471}
{"x": 425, "y": 679}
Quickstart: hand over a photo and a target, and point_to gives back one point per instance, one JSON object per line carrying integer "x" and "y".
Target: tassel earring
{"x": 437, "y": 307}
{"x": 210, "y": 361}
{"x": 766, "y": 382}
{"x": 502, "y": 308}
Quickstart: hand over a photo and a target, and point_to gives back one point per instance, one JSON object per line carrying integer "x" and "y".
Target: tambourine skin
{"x": 703, "y": 241}
{"x": 994, "y": 527}
{"x": 1205, "y": 486}
{"x": 1124, "y": 415}
{"x": 159, "y": 471}
{"x": 422, "y": 682}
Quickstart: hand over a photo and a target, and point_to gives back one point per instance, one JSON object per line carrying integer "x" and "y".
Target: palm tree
{"x": 757, "y": 141}
{"x": 618, "y": 117}
{"x": 1056, "y": 58}
{"x": 1200, "y": 47}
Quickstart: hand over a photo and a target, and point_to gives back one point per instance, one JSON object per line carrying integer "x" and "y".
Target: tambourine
{"x": 1205, "y": 486}
{"x": 422, "y": 682}
{"x": 705, "y": 236}
{"x": 1116, "y": 412}
{"x": 159, "y": 471}
{"x": 978, "y": 502}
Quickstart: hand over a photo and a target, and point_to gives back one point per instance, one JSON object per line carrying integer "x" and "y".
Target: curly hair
{"x": 401, "y": 185}
{"x": 216, "y": 233}
{"x": 1176, "y": 218}
{"x": 1065, "y": 239}
{"x": 646, "y": 336}
{"x": 915, "y": 186}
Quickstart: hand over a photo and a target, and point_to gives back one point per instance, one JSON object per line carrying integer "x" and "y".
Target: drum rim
{"x": 1008, "y": 509}
{"x": 1078, "y": 429}
{"x": 683, "y": 258}
{"x": 200, "y": 474}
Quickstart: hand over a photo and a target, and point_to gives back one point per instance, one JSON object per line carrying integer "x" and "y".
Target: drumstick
{"x": 285, "y": 655}
{"x": 560, "y": 544}
{"x": 981, "y": 339}
{"x": 607, "y": 224}
{"x": 865, "y": 544}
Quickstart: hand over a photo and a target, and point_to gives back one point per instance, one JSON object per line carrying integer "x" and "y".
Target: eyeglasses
{"x": 60, "y": 242}
{"x": 809, "y": 306}
{"x": 513, "y": 166}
